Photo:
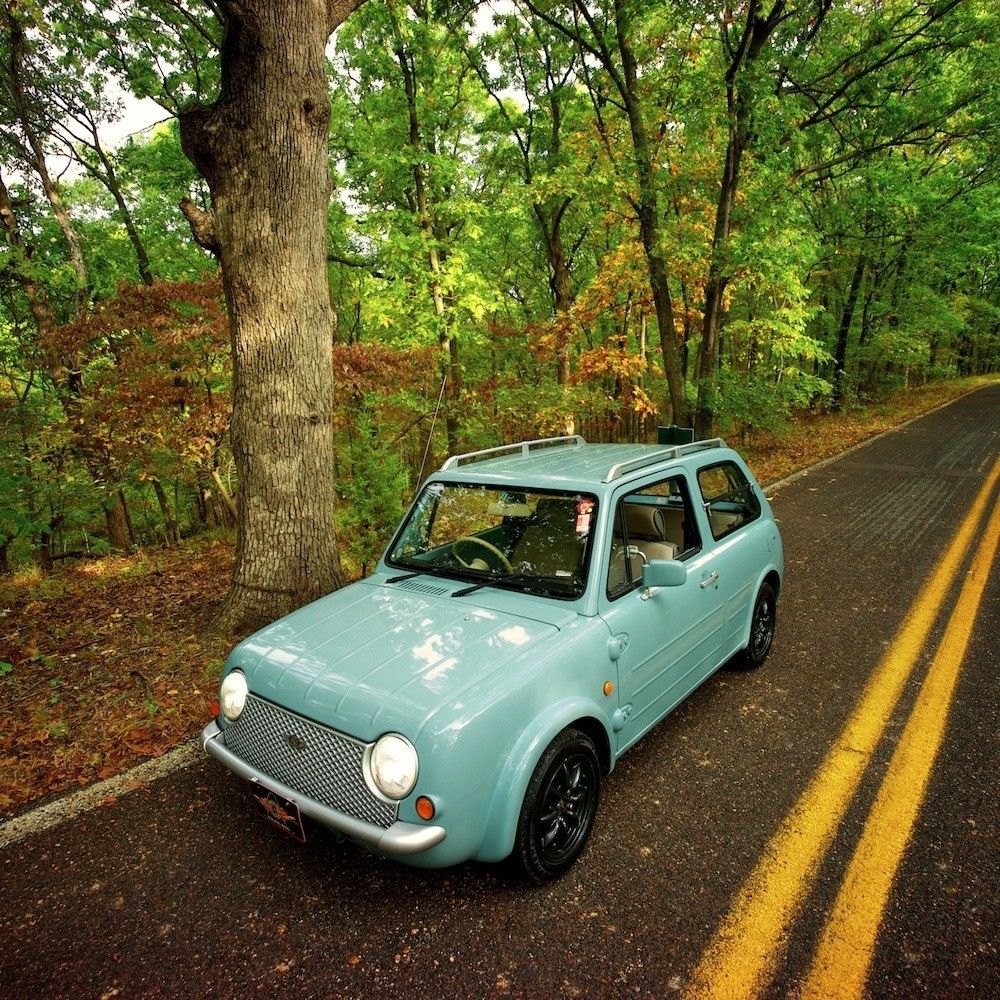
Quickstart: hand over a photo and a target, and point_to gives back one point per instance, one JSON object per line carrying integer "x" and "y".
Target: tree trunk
{"x": 843, "y": 336}
{"x": 116, "y": 520}
{"x": 550, "y": 225}
{"x": 715, "y": 286}
{"x": 757, "y": 30}
{"x": 662, "y": 303}
{"x": 263, "y": 149}
{"x": 64, "y": 367}
{"x": 224, "y": 497}
{"x": 170, "y": 527}
{"x": 646, "y": 204}
{"x": 650, "y": 217}
{"x": 450, "y": 366}
{"x": 43, "y": 553}
{"x": 35, "y": 156}
{"x": 110, "y": 180}
{"x": 38, "y": 302}
{"x": 562, "y": 298}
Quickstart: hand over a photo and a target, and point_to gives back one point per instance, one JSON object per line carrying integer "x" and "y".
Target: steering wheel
{"x": 489, "y": 546}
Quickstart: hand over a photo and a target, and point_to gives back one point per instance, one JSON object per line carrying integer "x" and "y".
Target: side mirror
{"x": 664, "y": 573}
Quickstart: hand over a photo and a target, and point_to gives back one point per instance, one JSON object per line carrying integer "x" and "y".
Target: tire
{"x": 765, "y": 610}
{"x": 559, "y": 807}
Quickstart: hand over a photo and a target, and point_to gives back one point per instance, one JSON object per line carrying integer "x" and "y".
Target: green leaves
{"x": 486, "y": 221}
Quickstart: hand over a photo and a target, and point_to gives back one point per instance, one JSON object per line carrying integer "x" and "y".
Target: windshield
{"x": 534, "y": 541}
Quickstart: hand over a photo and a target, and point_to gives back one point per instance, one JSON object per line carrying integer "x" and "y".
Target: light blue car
{"x": 541, "y": 607}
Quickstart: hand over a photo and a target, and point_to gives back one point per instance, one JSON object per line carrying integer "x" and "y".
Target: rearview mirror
{"x": 664, "y": 573}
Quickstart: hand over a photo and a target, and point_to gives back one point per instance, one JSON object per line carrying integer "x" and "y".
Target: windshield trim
{"x": 499, "y": 582}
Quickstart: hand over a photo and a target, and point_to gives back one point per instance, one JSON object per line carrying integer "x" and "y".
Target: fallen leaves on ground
{"x": 815, "y": 436}
{"x": 111, "y": 662}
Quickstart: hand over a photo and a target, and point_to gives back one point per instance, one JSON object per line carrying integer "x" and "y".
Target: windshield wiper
{"x": 402, "y": 577}
{"x": 499, "y": 578}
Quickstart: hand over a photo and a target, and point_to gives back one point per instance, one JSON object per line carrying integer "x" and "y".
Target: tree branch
{"x": 202, "y": 226}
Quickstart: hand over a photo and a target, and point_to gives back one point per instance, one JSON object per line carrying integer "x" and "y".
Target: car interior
{"x": 646, "y": 527}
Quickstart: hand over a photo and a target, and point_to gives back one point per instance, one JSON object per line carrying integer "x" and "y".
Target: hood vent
{"x": 422, "y": 588}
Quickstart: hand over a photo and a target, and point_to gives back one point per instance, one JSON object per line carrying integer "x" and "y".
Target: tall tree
{"x": 610, "y": 34}
{"x": 30, "y": 137}
{"x": 262, "y": 148}
{"x": 542, "y": 70}
{"x": 743, "y": 52}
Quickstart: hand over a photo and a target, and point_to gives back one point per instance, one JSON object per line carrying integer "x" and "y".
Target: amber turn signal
{"x": 214, "y": 708}
{"x": 425, "y": 808}
{"x": 608, "y": 688}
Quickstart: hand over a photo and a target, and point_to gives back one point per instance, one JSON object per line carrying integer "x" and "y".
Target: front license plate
{"x": 278, "y": 811}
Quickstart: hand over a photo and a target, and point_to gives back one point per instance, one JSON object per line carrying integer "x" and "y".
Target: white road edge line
{"x": 70, "y": 806}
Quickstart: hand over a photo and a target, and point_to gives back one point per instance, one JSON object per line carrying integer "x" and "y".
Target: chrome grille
{"x": 312, "y": 759}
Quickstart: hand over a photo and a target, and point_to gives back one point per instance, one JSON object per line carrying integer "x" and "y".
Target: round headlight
{"x": 393, "y": 766}
{"x": 233, "y": 695}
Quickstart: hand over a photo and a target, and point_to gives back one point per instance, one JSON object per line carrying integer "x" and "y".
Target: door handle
{"x": 712, "y": 577}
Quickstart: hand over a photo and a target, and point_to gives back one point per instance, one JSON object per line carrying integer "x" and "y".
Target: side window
{"x": 729, "y": 498}
{"x": 655, "y": 522}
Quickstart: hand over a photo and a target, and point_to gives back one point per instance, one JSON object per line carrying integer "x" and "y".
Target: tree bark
{"x": 170, "y": 527}
{"x": 35, "y": 157}
{"x": 116, "y": 521}
{"x": 263, "y": 149}
{"x": 843, "y": 336}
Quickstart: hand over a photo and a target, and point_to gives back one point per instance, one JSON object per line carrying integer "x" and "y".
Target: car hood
{"x": 373, "y": 658}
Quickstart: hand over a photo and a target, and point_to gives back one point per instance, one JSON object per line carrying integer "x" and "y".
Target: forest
{"x": 579, "y": 216}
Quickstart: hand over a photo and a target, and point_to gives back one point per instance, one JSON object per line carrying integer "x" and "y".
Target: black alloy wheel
{"x": 761, "y": 628}
{"x": 559, "y": 807}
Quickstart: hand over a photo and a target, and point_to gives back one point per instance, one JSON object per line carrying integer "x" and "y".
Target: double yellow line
{"x": 747, "y": 947}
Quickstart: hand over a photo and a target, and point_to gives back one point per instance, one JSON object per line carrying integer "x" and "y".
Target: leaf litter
{"x": 111, "y": 662}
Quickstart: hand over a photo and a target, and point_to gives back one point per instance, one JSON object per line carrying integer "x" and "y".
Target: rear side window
{"x": 729, "y": 498}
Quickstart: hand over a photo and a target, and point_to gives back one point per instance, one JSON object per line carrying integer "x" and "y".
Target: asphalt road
{"x": 175, "y": 891}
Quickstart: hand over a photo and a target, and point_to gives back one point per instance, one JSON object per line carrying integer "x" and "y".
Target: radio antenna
{"x": 430, "y": 433}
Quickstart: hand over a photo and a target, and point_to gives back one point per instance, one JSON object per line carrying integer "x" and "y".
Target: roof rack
{"x": 524, "y": 447}
{"x": 665, "y": 454}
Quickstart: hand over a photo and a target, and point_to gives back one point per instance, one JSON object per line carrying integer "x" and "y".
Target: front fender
{"x": 505, "y": 808}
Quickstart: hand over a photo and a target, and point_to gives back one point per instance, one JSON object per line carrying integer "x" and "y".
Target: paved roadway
{"x": 173, "y": 891}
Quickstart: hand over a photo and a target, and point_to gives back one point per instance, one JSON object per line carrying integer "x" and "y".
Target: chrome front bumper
{"x": 400, "y": 839}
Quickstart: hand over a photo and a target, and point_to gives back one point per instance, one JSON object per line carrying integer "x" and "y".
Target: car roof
{"x": 568, "y": 464}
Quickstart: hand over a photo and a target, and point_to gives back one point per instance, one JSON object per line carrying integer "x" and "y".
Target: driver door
{"x": 666, "y": 642}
